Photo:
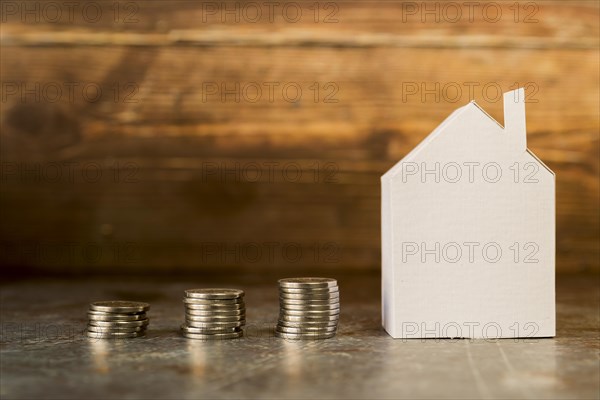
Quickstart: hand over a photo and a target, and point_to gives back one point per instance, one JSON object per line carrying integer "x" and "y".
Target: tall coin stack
{"x": 214, "y": 314}
{"x": 117, "y": 319}
{"x": 309, "y": 308}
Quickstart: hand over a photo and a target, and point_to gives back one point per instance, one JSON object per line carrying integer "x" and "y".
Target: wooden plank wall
{"x": 124, "y": 148}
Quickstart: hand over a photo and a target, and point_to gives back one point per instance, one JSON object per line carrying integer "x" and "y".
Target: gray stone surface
{"x": 45, "y": 355}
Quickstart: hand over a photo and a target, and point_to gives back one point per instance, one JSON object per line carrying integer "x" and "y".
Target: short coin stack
{"x": 214, "y": 314}
{"x": 309, "y": 308}
{"x": 117, "y": 319}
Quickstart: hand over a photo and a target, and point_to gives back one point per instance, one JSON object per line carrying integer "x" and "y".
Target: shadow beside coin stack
{"x": 117, "y": 319}
{"x": 309, "y": 308}
{"x": 214, "y": 314}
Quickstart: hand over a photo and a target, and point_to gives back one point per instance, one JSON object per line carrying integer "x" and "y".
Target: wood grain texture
{"x": 178, "y": 161}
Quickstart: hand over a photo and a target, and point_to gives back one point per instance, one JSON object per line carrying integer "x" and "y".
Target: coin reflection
{"x": 292, "y": 360}
{"x": 197, "y": 356}
{"x": 100, "y": 351}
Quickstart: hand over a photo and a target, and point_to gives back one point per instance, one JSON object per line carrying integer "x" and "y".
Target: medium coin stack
{"x": 214, "y": 314}
{"x": 117, "y": 319}
{"x": 309, "y": 308}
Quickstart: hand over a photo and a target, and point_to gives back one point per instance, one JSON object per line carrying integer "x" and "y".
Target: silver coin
{"x": 297, "y": 307}
{"x": 299, "y": 296}
{"x": 115, "y": 335}
{"x": 122, "y": 324}
{"x": 311, "y": 313}
{"x": 201, "y": 312}
{"x": 213, "y": 336}
{"x": 212, "y": 293}
{"x": 214, "y": 325}
{"x": 309, "y": 336}
{"x": 307, "y": 333}
{"x": 210, "y": 302}
{"x": 331, "y": 304}
{"x": 299, "y": 324}
{"x": 106, "y": 329}
{"x": 119, "y": 313}
{"x": 304, "y": 318}
{"x": 322, "y": 327}
{"x": 307, "y": 282}
{"x": 312, "y": 322}
{"x": 304, "y": 327}
{"x": 305, "y": 330}
{"x": 191, "y": 329}
{"x": 214, "y": 318}
{"x": 333, "y": 289}
{"x": 309, "y": 302}
{"x": 300, "y": 318}
{"x": 117, "y": 317}
{"x": 206, "y": 331}
{"x": 118, "y": 306}
{"x": 216, "y": 307}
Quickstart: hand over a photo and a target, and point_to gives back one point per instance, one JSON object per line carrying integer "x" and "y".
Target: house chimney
{"x": 514, "y": 119}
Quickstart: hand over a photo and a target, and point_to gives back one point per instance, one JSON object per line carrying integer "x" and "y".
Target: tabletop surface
{"x": 45, "y": 355}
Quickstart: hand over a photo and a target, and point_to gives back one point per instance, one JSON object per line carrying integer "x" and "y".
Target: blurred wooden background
{"x": 119, "y": 154}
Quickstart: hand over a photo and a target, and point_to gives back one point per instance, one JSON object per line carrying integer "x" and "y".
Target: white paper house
{"x": 468, "y": 232}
